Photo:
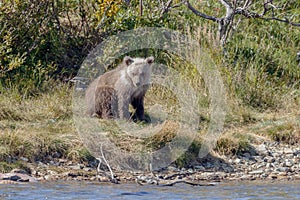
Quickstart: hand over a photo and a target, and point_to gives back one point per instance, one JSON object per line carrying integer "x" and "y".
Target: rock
{"x": 256, "y": 172}
{"x": 50, "y": 172}
{"x": 237, "y": 161}
{"x": 62, "y": 160}
{"x": 268, "y": 171}
{"x": 41, "y": 164}
{"x": 24, "y": 159}
{"x": 269, "y": 165}
{"x": 245, "y": 177}
{"x": 228, "y": 169}
{"x": 274, "y": 144}
{"x": 288, "y": 151}
{"x": 269, "y": 159}
{"x": 261, "y": 148}
{"x": 281, "y": 169}
{"x": 87, "y": 169}
{"x": 21, "y": 171}
{"x": 279, "y": 151}
{"x": 171, "y": 168}
{"x": 282, "y": 174}
{"x": 297, "y": 176}
{"x": 48, "y": 177}
{"x": 76, "y": 167}
{"x": 258, "y": 166}
{"x": 247, "y": 155}
{"x": 264, "y": 175}
{"x": 275, "y": 154}
{"x": 208, "y": 165}
{"x": 221, "y": 174}
{"x": 56, "y": 155}
{"x": 200, "y": 168}
{"x": 273, "y": 176}
{"x": 288, "y": 164}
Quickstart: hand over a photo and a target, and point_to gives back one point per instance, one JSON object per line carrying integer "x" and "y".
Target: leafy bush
{"x": 43, "y": 39}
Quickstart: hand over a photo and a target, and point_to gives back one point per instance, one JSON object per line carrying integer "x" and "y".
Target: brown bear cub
{"x": 110, "y": 95}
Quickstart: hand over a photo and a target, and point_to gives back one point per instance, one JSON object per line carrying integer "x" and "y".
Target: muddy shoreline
{"x": 268, "y": 161}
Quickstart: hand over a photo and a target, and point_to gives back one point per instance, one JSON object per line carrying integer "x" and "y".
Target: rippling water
{"x": 79, "y": 190}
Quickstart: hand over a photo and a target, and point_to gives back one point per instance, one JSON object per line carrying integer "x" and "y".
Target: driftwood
{"x": 162, "y": 182}
{"x": 168, "y": 177}
{"x": 170, "y": 180}
{"x": 193, "y": 183}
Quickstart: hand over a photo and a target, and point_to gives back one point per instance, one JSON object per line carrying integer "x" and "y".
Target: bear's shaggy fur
{"x": 109, "y": 95}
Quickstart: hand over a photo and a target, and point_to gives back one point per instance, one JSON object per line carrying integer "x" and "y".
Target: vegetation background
{"x": 43, "y": 43}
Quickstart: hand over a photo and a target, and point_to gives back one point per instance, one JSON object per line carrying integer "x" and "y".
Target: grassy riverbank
{"x": 41, "y": 128}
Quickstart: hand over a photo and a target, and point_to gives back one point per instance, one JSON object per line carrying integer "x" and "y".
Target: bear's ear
{"x": 150, "y": 60}
{"x": 128, "y": 60}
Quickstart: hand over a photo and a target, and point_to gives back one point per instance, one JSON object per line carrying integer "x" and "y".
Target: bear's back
{"x": 109, "y": 78}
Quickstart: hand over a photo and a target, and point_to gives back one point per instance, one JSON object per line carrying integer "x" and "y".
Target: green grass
{"x": 38, "y": 127}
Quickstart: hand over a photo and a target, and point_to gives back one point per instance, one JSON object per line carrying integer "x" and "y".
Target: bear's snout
{"x": 138, "y": 84}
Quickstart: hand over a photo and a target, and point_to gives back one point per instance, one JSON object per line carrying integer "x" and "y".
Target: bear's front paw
{"x": 135, "y": 118}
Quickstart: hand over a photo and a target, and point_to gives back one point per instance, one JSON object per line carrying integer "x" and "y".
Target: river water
{"x": 80, "y": 190}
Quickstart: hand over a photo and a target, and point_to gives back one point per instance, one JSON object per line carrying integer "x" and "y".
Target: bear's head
{"x": 138, "y": 70}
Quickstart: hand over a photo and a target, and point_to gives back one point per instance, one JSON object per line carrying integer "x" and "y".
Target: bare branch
{"x": 247, "y": 4}
{"x": 166, "y": 7}
{"x": 226, "y": 23}
{"x": 141, "y": 7}
{"x": 198, "y": 13}
{"x": 280, "y": 20}
{"x": 229, "y": 9}
{"x": 268, "y": 6}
